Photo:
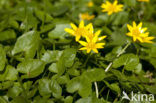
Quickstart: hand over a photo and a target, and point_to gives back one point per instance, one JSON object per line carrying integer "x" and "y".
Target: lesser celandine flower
{"x": 92, "y": 41}
{"x": 143, "y": 0}
{"x": 91, "y": 44}
{"x": 92, "y": 35}
{"x": 139, "y": 33}
{"x": 86, "y": 16}
{"x": 90, "y": 4}
{"x": 79, "y": 31}
{"x": 111, "y": 7}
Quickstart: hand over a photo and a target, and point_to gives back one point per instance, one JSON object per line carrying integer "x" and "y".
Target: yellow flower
{"x": 90, "y": 4}
{"x": 91, "y": 45}
{"x": 86, "y": 16}
{"x": 143, "y": 0}
{"x": 80, "y": 31}
{"x": 139, "y": 33}
{"x": 92, "y": 40}
{"x": 95, "y": 35}
{"x": 111, "y": 7}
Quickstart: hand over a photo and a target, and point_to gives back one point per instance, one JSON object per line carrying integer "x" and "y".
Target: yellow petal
{"x": 100, "y": 45}
{"x": 73, "y": 26}
{"x": 98, "y": 33}
{"x": 88, "y": 50}
{"x": 101, "y": 38}
{"x": 140, "y": 25}
{"x": 90, "y": 27}
{"x": 134, "y": 38}
{"x": 83, "y": 43}
{"x": 70, "y": 31}
{"x": 129, "y": 34}
{"x": 110, "y": 13}
{"x": 115, "y": 2}
{"x": 140, "y": 39}
{"x": 88, "y": 39}
{"x": 77, "y": 37}
{"x": 95, "y": 50}
{"x": 144, "y": 29}
{"x": 129, "y": 27}
{"x": 83, "y": 48}
{"x": 81, "y": 25}
{"x": 134, "y": 24}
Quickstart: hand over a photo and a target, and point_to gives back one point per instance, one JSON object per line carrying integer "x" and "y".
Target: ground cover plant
{"x": 77, "y": 51}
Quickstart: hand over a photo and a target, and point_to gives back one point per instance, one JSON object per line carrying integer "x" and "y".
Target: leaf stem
{"x": 96, "y": 89}
{"x": 122, "y": 51}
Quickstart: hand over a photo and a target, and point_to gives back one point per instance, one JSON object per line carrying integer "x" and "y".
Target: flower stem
{"x": 86, "y": 60}
{"x": 96, "y": 89}
{"x": 122, "y": 51}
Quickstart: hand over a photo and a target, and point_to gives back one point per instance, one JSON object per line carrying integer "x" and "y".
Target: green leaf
{"x": 3, "y": 100}
{"x": 151, "y": 89}
{"x": 66, "y": 60}
{"x": 43, "y": 16}
{"x": 58, "y": 32}
{"x": 80, "y": 84}
{"x": 89, "y": 100}
{"x": 85, "y": 89}
{"x": 119, "y": 75}
{"x": 31, "y": 68}
{"x": 130, "y": 62}
{"x": 56, "y": 89}
{"x": 2, "y": 58}
{"x": 19, "y": 99}
{"x": 118, "y": 38}
{"x": 44, "y": 87}
{"x": 10, "y": 73}
{"x": 7, "y": 35}
{"x": 53, "y": 68}
{"x": 68, "y": 99}
{"x": 59, "y": 9}
{"x": 6, "y": 85}
{"x": 51, "y": 56}
{"x": 69, "y": 56}
{"x": 114, "y": 86}
{"x": 131, "y": 3}
{"x": 63, "y": 79}
{"x": 27, "y": 43}
{"x": 15, "y": 90}
{"x": 95, "y": 74}
{"x": 153, "y": 62}
{"x": 120, "y": 18}
{"x": 101, "y": 19}
{"x": 74, "y": 85}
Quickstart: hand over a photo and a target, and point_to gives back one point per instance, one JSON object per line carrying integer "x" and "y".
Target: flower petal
{"x": 81, "y": 25}
{"x": 73, "y": 26}
{"x": 83, "y": 43}
{"x": 70, "y": 31}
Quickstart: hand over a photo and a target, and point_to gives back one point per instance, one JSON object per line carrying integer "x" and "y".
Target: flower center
{"x": 91, "y": 45}
{"x": 136, "y": 32}
{"x": 81, "y": 31}
{"x": 112, "y": 8}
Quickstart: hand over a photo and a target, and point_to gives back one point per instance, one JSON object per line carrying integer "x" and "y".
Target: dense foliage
{"x": 41, "y": 63}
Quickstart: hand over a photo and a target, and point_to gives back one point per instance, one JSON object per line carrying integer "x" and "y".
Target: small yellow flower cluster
{"x": 92, "y": 42}
{"x": 111, "y": 7}
{"x": 139, "y": 33}
{"x": 92, "y": 39}
{"x": 90, "y": 4}
{"x": 86, "y": 16}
